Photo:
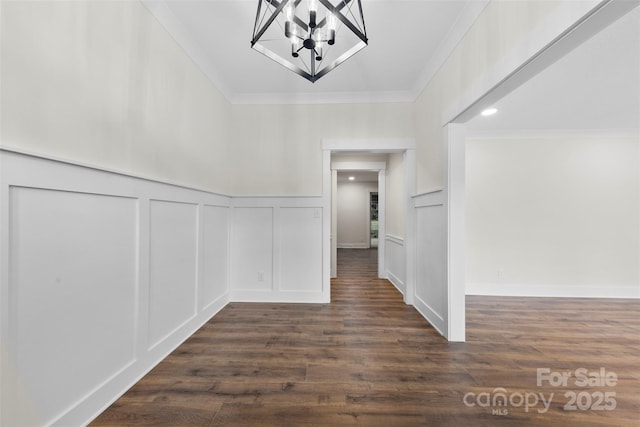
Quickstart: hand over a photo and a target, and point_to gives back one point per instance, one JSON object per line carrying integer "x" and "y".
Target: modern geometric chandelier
{"x": 309, "y": 37}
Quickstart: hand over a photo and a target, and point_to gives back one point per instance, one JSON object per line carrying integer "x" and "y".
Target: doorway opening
{"x": 360, "y": 155}
{"x": 373, "y": 219}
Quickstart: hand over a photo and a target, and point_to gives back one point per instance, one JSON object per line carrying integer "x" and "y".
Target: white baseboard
{"x": 353, "y": 246}
{"x": 395, "y": 281}
{"x": 430, "y": 315}
{"x": 561, "y": 291}
{"x": 279, "y": 297}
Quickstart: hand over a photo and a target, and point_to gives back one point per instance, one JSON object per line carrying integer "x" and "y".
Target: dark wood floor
{"x": 368, "y": 359}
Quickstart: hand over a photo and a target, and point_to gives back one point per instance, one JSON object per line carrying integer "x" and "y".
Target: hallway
{"x": 369, "y": 359}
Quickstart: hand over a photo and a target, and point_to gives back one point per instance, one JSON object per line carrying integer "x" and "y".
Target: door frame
{"x": 329, "y": 179}
{"x": 379, "y": 167}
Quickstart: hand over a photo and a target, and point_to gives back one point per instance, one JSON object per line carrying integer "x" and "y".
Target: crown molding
{"x": 552, "y": 134}
{"x": 465, "y": 21}
{"x": 321, "y": 98}
{"x": 179, "y": 32}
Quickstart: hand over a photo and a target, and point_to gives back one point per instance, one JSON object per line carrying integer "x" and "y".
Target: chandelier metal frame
{"x": 317, "y": 36}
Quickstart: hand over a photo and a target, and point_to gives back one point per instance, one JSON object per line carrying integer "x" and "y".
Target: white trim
{"x": 419, "y": 198}
{"x": 305, "y": 98}
{"x": 552, "y": 133}
{"x": 285, "y": 297}
{"x": 410, "y": 225}
{"x": 430, "y": 315}
{"x": 281, "y": 202}
{"x": 390, "y": 275}
{"x": 454, "y": 152}
{"x": 178, "y": 31}
{"x": 382, "y": 221}
{"x": 557, "y": 290}
{"x": 382, "y": 145}
{"x": 161, "y": 11}
{"x": 381, "y": 183}
{"x": 10, "y": 149}
{"x": 395, "y": 239}
{"x": 395, "y": 281}
{"x": 435, "y": 199}
{"x": 464, "y": 22}
{"x": 327, "y": 240}
{"x": 353, "y": 246}
{"x": 348, "y": 166}
{"x": 20, "y": 170}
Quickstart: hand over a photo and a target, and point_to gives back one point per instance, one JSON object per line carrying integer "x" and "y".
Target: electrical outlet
{"x": 260, "y": 276}
{"x": 501, "y": 273}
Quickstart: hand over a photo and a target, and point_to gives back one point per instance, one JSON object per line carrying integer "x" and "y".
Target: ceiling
{"x": 358, "y": 176}
{"x": 594, "y": 87}
{"x": 408, "y": 41}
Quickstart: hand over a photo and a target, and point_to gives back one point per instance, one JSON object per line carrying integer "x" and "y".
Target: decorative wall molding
{"x": 383, "y": 145}
{"x": 431, "y": 262}
{"x": 353, "y": 246}
{"x": 552, "y": 134}
{"x": 176, "y": 28}
{"x": 83, "y": 250}
{"x": 277, "y": 250}
{"x": 396, "y": 262}
{"x": 181, "y": 255}
{"x": 9, "y": 148}
{"x": 553, "y": 290}
{"x": 350, "y": 166}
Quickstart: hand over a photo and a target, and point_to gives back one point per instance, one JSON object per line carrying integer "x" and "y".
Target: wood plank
{"x": 369, "y": 359}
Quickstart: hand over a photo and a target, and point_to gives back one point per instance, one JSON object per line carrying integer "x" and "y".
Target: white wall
{"x": 103, "y": 84}
{"x": 553, "y": 216}
{"x": 505, "y": 35}
{"x": 281, "y": 150}
{"x": 353, "y": 213}
{"x": 102, "y": 276}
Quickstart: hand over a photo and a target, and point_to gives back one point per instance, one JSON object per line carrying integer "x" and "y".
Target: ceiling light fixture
{"x": 351, "y": 178}
{"x": 309, "y": 37}
{"x": 489, "y": 112}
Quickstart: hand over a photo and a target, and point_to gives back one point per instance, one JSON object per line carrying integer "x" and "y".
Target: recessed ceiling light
{"x": 351, "y": 178}
{"x": 489, "y": 112}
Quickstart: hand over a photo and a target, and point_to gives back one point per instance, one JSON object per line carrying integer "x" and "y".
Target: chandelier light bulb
{"x": 289, "y": 12}
{"x": 307, "y": 27}
{"x": 313, "y": 10}
{"x": 331, "y": 23}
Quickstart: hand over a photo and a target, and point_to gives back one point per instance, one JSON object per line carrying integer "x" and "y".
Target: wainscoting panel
{"x": 395, "y": 262}
{"x": 277, "y": 250}
{"x": 252, "y": 249}
{"x": 96, "y": 267}
{"x": 301, "y": 249}
{"x": 215, "y": 259}
{"x": 172, "y": 267}
{"x": 431, "y": 267}
{"x": 72, "y": 256}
